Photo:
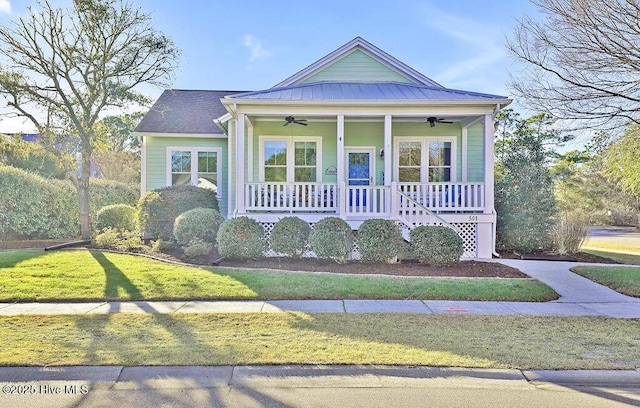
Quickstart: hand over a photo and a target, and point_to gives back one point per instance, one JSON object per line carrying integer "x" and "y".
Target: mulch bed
{"x": 466, "y": 269}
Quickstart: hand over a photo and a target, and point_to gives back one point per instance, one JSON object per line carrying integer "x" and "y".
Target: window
{"x": 409, "y": 161}
{"x": 195, "y": 166}
{"x": 422, "y": 160}
{"x": 294, "y": 159}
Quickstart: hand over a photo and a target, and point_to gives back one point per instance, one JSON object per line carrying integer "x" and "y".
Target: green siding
{"x": 357, "y": 66}
{"x": 475, "y": 156}
{"x": 157, "y": 161}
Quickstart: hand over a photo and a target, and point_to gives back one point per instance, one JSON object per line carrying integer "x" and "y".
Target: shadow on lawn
{"x": 115, "y": 279}
{"x": 10, "y": 259}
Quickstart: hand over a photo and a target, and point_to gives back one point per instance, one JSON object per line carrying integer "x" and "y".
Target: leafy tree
{"x": 525, "y": 200}
{"x": 117, "y": 152}
{"x": 31, "y": 156}
{"x": 581, "y": 61}
{"x": 62, "y": 69}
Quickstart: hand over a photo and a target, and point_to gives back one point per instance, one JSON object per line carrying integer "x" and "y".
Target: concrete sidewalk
{"x": 317, "y": 386}
{"x": 578, "y": 297}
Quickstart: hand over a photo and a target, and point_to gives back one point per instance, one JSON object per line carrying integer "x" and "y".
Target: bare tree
{"x": 581, "y": 62}
{"x": 62, "y": 69}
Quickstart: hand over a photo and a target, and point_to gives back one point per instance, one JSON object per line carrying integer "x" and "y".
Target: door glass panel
{"x": 359, "y": 171}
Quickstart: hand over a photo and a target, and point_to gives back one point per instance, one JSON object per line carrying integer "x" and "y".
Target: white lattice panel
{"x": 468, "y": 233}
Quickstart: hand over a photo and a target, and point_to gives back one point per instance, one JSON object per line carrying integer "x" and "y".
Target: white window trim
{"x": 194, "y": 164}
{"x": 290, "y": 140}
{"x": 424, "y": 169}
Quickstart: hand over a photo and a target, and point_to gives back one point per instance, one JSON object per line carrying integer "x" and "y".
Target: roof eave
{"x": 353, "y": 102}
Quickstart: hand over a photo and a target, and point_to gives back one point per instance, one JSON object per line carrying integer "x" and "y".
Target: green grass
{"x": 622, "y": 258}
{"x": 518, "y": 342}
{"x": 81, "y": 275}
{"x": 622, "y": 279}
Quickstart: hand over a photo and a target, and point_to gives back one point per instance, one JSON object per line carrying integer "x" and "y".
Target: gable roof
{"x": 367, "y": 48}
{"x": 367, "y": 91}
{"x": 185, "y": 111}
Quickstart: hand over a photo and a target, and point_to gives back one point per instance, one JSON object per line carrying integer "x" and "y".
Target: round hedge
{"x": 240, "y": 238}
{"x": 436, "y": 246}
{"x": 380, "y": 240}
{"x": 116, "y": 216}
{"x": 199, "y": 223}
{"x": 158, "y": 209}
{"x": 290, "y": 236}
{"x": 331, "y": 238}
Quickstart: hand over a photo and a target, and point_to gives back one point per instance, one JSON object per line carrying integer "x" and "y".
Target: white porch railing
{"x": 442, "y": 197}
{"x": 371, "y": 201}
{"x": 412, "y": 213}
{"x": 271, "y": 196}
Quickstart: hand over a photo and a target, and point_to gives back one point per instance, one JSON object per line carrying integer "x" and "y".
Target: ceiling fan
{"x": 290, "y": 119}
{"x": 433, "y": 120}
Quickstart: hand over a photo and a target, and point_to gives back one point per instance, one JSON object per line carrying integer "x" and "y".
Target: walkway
{"x": 579, "y": 297}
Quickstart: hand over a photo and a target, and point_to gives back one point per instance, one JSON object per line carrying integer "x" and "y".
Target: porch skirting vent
{"x": 467, "y": 231}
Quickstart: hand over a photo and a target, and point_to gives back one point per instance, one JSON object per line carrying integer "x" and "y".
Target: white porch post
{"x": 465, "y": 145}
{"x": 240, "y": 135}
{"x": 250, "y": 152}
{"x": 488, "y": 163}
{"x": 387, "y": 150}
{"x": 340, "y": 165}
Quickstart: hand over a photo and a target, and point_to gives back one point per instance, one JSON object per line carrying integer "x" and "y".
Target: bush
{"x": 437, "y": 246}
{"x": 116, "y": 216}
{"x": 104, "y": 192}
{"x": 158, "y": 209}
{"x": 290, "y": 236}
{"x": 160, "y": 245}
{"x": 199, "y": 223}
{"x": 380, "y": 240}
{"x": 36, "y": 208}
{"x": 240, "y": 238}
{"x": 331, "y": 238}
{"x": 197, "y": 248}
{"x": 118, "y": 240}
{"x": 569, "y": 233}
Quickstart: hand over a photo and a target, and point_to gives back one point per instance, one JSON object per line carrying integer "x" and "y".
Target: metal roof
{"x": 361, "y": 91}
{"x": 185, "y": 111}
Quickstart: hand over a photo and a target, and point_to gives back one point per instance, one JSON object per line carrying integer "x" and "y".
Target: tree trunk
{"x": 83, "y": 194}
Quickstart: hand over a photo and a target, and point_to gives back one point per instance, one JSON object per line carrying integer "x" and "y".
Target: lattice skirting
{"x": 468, "y": 233}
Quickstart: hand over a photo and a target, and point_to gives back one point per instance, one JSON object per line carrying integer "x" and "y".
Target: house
{"x": 357, "y": 134}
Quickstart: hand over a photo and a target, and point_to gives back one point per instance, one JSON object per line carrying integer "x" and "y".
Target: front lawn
{"x": 519, "y": 342}
{"x": 627, "y": 259}
{"x": 622, "y": 279}
{"x": 82, "y": 275}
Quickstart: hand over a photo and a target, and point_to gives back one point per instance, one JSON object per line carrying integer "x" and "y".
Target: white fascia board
{"x": 359, "y": 102}
{"x": 190, "y": 135}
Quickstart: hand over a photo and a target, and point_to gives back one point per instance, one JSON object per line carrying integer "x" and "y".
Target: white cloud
{"x": 255, "y": 46}
{"x": 5, "y": 6}
{"x": 486, "y": 56}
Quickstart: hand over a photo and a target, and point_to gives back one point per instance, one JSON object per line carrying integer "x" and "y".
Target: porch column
{"x": 240, "y": 135}
{"x": 488, "y": 163}
{"x": 342, "y": 194}
{"x": 465, "y": 146}
{"x": 387, "y": 150}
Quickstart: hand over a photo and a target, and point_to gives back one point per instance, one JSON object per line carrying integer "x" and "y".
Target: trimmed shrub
{"x": 240, "y": 238}
{"x": 36, "y": 208}
{"x": 197, "y": 248}
{"x": 158, "y": 209}
{"x": 331, "y": 238}
{"x": 199, "y": 223}
{"x": 380, "y": 240}
{"x": 118, "y": 240}
{"x": 104, "y": 192}
{"x": 160, "y": 245}
{"x": 116, "y": 216}
{"x": 437, "y": 246}
{"x": 290, "y": 236}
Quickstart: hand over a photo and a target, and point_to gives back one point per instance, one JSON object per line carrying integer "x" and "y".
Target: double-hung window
{"x": 425, "y": 160}
{"x": 290, "y": 159}
{"x": 198, "y": 166}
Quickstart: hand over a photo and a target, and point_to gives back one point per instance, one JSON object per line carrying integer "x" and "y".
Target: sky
{"x": 254, "y": 44}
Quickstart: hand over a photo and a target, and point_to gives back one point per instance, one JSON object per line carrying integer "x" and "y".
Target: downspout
{"x": 493, "y": 210}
